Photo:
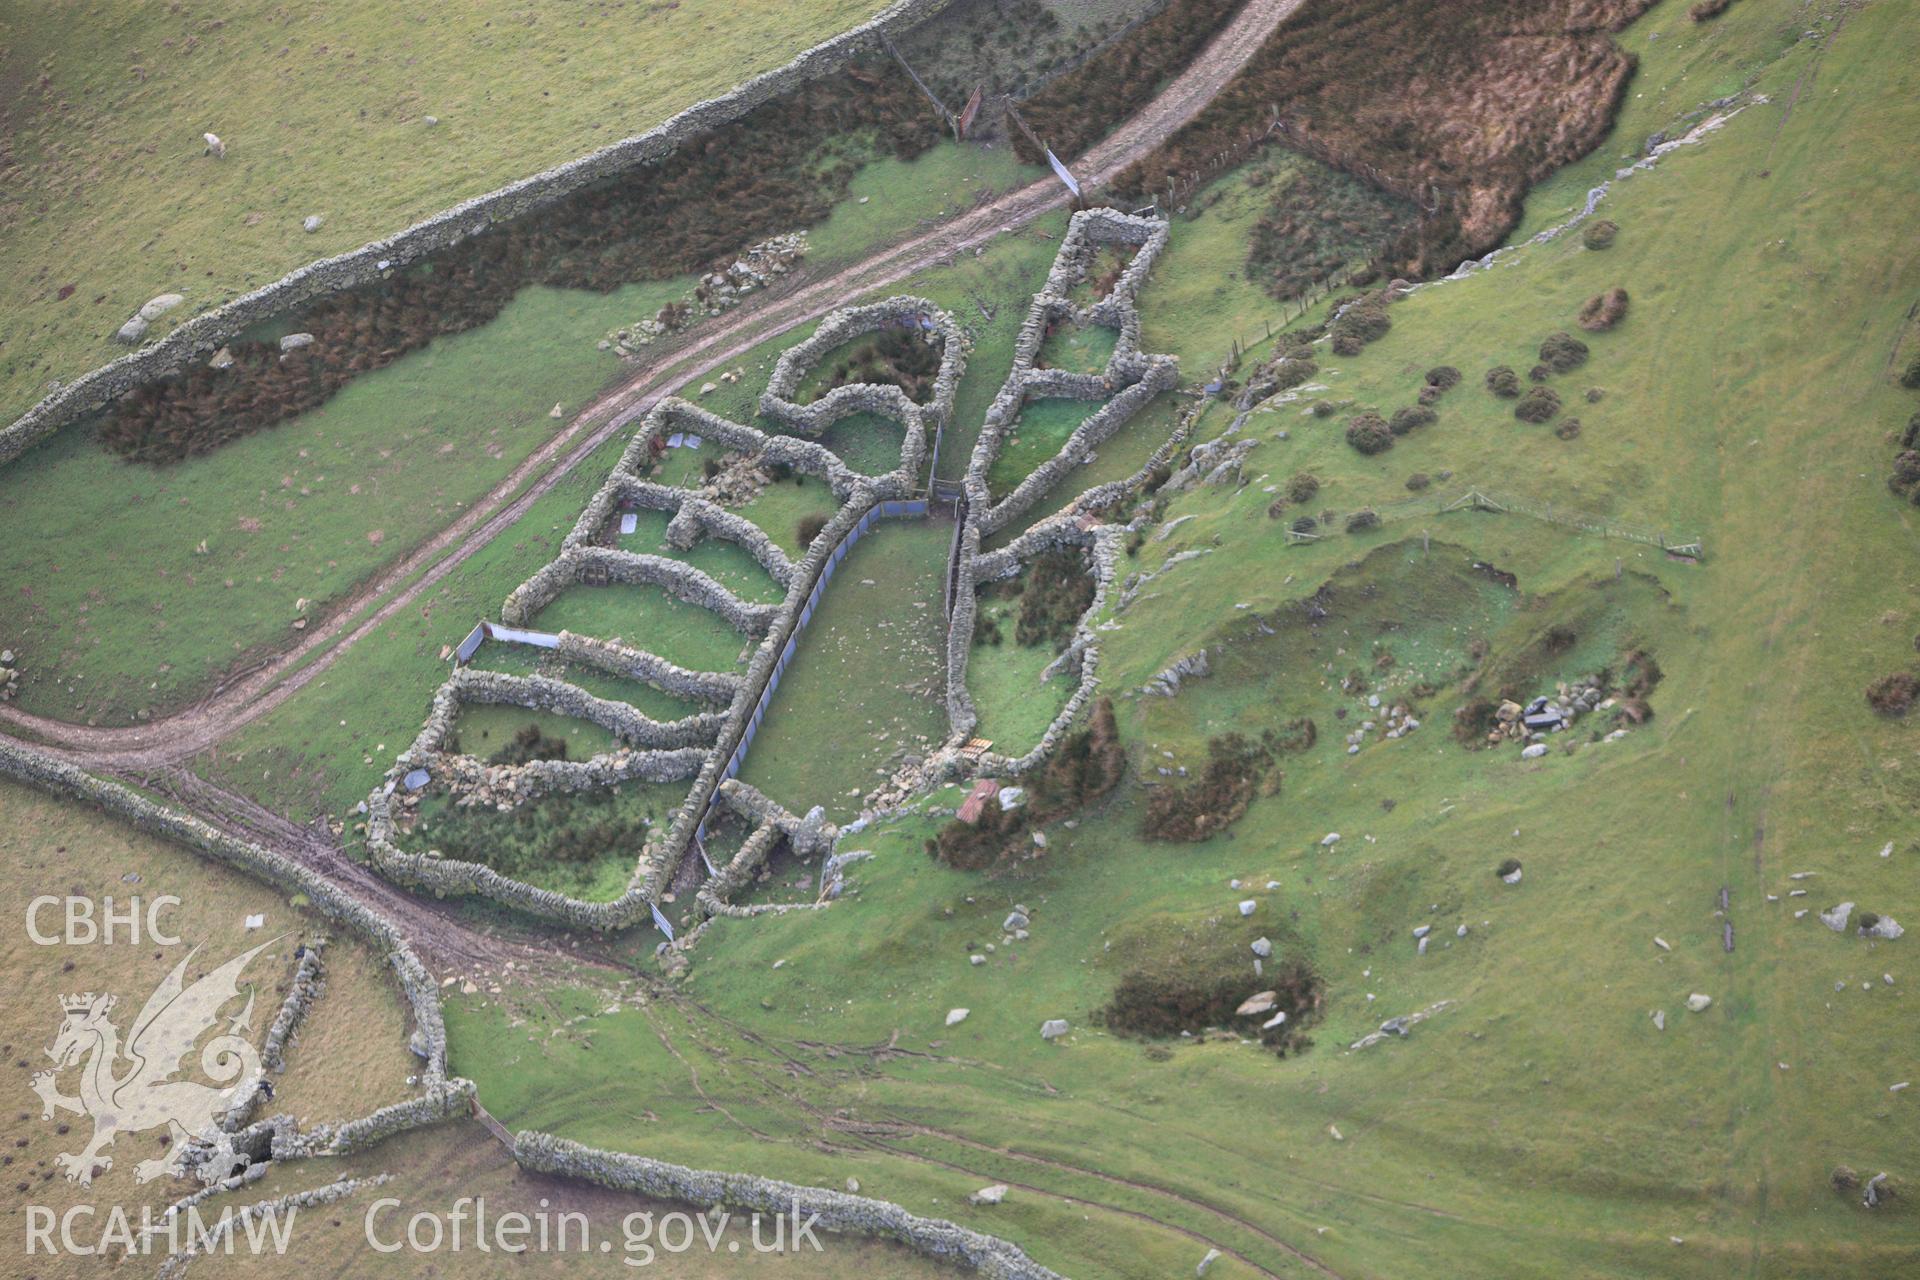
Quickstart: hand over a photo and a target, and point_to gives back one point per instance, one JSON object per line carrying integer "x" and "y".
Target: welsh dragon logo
{"x": 132, "y": 1087}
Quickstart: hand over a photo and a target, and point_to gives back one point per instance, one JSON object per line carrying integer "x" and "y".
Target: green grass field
{"x": 310, "y": 509}
{"x": 322, "y": 113}
{"x": 866, "y": 678}
{"x": 1541, "y": 1125}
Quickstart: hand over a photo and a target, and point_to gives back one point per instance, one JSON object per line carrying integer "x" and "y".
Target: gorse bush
{"x": 783, "y": 165}
{"x": 1370, "y": 434}
{"x": 1910, "y": 376}
{"x": 1320, "y": 221}
{"x": 1538, "y": 405}
{"x": 1362, "y": 520}
{"x": 1603, "y": 310}
{"x": 1086, "y": 766}
{"x": 1893, "y": 695}
{"x": 1568, "y": 429}
{"x": 1076, "y": 110}
{"x": 1302, "y": 486}
{"x": 529, "y": 743}
{"x": 809, "y": 528}
{"x": 1503, "y": 382}
{"x": 1238, "y": 768}
{"x": 1489, "y": 119}
{"x": 1600, "y": 235}
{"x": 1419, "y": 482}
{"x": 1411, "y": 419}
{"x": 1368, "y": 320}
{"x": 1059, "y": 589}
{"x": 1562, "y": 352}
{"x": 894, "y": 358}
{"x": 1443, "y": 376}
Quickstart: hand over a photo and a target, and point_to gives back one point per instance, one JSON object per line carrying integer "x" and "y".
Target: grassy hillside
{"x": 1540, "y": 1124}
{"x": 109, "y": 201}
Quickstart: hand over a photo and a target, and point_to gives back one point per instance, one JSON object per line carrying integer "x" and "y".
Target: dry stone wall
{"x": 839, "y": 1211}
{"x": 417, "y": 987}
{"x": 775, "y": 624}
{"x": 632, "y": 568}
{"x": 1130, "y": 380}
{"x": 202, "y": 335}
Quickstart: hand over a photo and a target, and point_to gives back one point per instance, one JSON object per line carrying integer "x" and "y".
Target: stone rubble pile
{"x": 1549, "y": 714}
{"x": 717, "y": 293}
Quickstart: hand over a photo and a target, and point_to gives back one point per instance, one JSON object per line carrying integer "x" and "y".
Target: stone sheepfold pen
{"x": 201, "y": 336}
{"x": 704, "y": 747}
{"x": 1129, "y": 381}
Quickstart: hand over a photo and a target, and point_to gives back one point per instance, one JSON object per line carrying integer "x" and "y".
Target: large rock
{"x": 295, "y": 341}
{"x": 1054, "y": 1028}
{"x": 989, "y": 1195}
{"x": 159, "y": 306}
{"x": 132, "y": 331}
{"x": 1259, "y": 1003}
{"x": 1885, "y": 927}
{"x": 1262, "y": 947}
{"x": 1015, "y": 920}
{"x": 957, "y": 1016}
{"x": 1699, "y": 1002}
{"x": 1835, "y": 918}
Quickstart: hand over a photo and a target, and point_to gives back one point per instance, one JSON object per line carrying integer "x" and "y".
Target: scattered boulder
{"x": 1698, "y": 1002}
{"x": 957, "y": 1016}
{"x": 1206, "y": 1262}
{"x": 312, "y": 223}
{"x": 1247, "y": 906}
{"x": 1054, "y": 1028}
{"x": 1262, "y": 947}
{"x": 215, "y": 148}
{"x": 1016, "y": 919}
{"x": 1257, "y": 1004}
{"x": 159, "y": 305}
{"x": 1882, "y": 927}
{"x": 1835, "y": 918}
{"x": 295, "y": 341}
{"x": 1533, "y": 751}
{"x": 132, "y": 331}
{"x": 1659, "y": 1019}
{"x": 222, "y": 359}
{"x": 989, "y": 1195}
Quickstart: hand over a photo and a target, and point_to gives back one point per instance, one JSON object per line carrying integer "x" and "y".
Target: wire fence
{"x": 1476, "y": 499}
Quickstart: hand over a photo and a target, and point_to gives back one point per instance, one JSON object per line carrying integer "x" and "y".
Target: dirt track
{"x": 177, "y": 737}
